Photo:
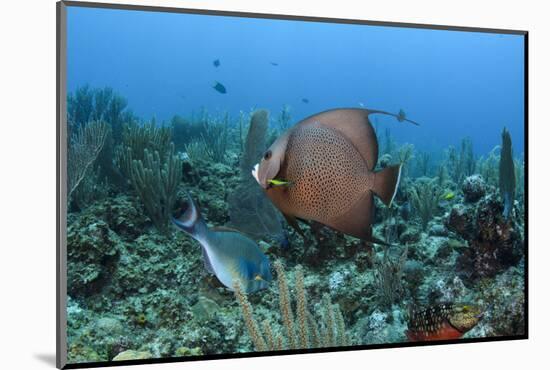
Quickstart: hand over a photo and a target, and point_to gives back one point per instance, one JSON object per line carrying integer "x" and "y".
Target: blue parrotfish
{"x": 227, "y": 253}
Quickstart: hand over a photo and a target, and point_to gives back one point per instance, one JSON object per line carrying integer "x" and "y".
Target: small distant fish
{"x": 305, "y": 100}
{"x": 449, "y": 195}
{"x": 219, "y": 88}
{"x": 216, "y": 63}
{"x": 227, "y": 253}
{"x": 443, "y": 321}
{"x": 274, "y": 64}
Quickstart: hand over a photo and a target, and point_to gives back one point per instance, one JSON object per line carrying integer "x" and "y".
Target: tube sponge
{"x": 255, "y": 141}
{"x": 507, "y": 178}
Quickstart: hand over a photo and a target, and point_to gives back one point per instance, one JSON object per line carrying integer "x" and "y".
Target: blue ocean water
{"x": 456, "y": 84}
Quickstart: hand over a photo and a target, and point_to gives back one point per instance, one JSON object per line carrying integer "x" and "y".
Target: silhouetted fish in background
{"x": 304, "y": 100}
{"x": 444, "y": 321}
{"x": 216, "y": 63}
{"x": 274, "y": 64}
{"x": 227, "y": 253}
{"x": 328, "y": 162}
{"x": 219, "y": 88}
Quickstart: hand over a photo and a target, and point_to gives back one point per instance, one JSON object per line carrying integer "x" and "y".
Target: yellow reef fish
{"x": 448, "y": 196}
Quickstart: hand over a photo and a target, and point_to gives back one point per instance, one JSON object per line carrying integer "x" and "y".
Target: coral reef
{"x": 137, "y": 290}
{"x": 495, "y": 242}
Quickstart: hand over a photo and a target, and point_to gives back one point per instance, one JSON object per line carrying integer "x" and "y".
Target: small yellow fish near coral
{"x": 449, "y": 195}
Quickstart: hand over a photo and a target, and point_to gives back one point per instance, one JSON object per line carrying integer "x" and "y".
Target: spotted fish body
{"x": 329, "y": 160}
{"x": 327, "y": 173}
{"x": 442, "y": 322}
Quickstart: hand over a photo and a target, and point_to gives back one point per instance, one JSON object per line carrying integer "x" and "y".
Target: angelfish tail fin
{"x": 386, "y": 183}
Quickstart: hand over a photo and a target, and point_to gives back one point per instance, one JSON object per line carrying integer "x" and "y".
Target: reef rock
{"x": 93, "y": 250}
{"x": 438, "y": 230}
{"x": 132, "y": 355}
{"x": 473, "y": 188}
{"x": 496, "y": 243}
{"x": 186, "y": 351}
{"x": 460, "y": 221}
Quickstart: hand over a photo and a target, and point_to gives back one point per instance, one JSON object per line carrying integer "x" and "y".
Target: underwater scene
{"x": 242, "y": 185}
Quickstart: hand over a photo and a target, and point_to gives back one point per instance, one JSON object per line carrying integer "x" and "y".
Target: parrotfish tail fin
{"x": 399, "y": 118}
{"x": 189, "y": 219}
{"x": 386, "y": 183}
